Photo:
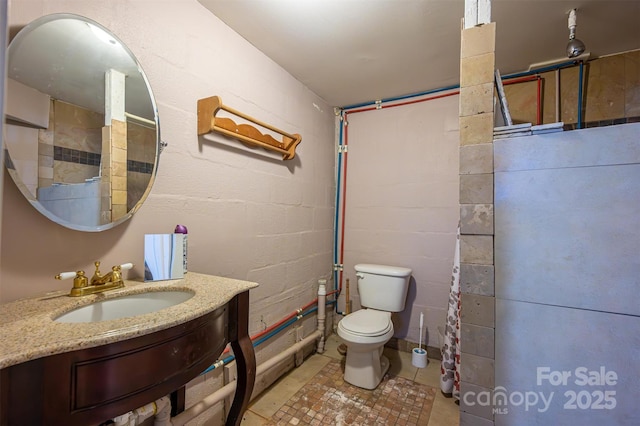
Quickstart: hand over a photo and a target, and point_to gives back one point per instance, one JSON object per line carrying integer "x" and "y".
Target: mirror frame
{"x": 32, "y": 198}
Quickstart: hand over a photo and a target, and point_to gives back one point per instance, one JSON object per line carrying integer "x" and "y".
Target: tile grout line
{"x": 411, "y": 373}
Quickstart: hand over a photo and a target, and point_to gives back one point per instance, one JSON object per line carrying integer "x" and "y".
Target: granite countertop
{"x": 28, "y": 330}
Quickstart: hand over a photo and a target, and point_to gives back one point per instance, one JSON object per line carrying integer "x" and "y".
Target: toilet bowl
{"x": 382, "y": 289}
{"x": 365, "y": 333}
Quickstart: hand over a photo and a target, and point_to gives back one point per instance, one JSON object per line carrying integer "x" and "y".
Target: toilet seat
{"x": 367, "y": 322}
{"x": 366, "y": 327}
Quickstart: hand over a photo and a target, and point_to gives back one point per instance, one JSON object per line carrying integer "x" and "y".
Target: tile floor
{"x": 268, "y": 408}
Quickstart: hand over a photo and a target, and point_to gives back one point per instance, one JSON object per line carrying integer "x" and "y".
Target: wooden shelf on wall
{"x": 245, "y": 133}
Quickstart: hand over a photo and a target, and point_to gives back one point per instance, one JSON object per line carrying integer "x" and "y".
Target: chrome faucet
{"x": 82, "y": 286}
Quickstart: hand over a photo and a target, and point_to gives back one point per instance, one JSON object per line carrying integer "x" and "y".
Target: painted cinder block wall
{"x": 249, "y": 216}
{"x": 401, "y": 206}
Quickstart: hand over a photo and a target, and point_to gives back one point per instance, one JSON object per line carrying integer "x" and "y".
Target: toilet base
{"x": 365, "y": 369}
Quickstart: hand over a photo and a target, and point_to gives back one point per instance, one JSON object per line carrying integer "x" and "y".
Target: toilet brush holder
{"x": 419, "y": 355}
{"x": 419, "y": 358}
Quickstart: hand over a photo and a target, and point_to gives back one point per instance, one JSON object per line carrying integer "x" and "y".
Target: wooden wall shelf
{"x": 245, "y": 133}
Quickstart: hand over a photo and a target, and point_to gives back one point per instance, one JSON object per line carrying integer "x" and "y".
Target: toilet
{"x": 383, "y": 290}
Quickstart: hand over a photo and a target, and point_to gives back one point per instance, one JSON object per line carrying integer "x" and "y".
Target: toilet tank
{"x": 383, "y": 287}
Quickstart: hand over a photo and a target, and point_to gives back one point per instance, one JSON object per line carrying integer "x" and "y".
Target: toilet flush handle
{"x": 360, "y": 275}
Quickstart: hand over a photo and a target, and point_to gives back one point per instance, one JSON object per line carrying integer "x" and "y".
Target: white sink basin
{"x": 126, "y": 306}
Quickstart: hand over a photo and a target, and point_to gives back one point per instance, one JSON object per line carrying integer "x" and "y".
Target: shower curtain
{"x": 450, "y": 364}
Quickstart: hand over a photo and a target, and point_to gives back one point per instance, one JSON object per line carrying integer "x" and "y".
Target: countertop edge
{"x": 19, "y": 334}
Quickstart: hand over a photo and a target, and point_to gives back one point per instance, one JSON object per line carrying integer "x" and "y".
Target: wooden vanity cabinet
{"x": 90, "y": 386}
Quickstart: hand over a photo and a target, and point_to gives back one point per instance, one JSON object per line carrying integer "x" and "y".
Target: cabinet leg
{"x": 245, "y": 358}
{"x": 177, "y": 398}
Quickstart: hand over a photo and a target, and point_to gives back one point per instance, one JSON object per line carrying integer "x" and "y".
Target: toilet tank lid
{"x": 394, "y": 271}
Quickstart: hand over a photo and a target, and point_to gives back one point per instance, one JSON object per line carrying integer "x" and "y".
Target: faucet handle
{"x": 116, "y": 272}
{"x": 79, "y": 281}
{"x": 123, "y": 267}
{"x": 65, "y": 275}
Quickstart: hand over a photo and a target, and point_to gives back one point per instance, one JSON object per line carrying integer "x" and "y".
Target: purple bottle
{"x": 181, "y": 229}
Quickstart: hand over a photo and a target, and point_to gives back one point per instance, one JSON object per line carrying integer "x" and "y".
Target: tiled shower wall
{"x": 64, "y": 156}
{"x": 477, "y": 59}
{"x": 74, "y": 159}
{"x": 69, "y": 149}
{"x": 139, "y": 160}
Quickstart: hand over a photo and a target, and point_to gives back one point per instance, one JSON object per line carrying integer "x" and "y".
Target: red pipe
{"x": 282, "y": 321}
{"x": 538, "y": 94}
{"x": 373, "y": 108}
{"x": 444, "y": 95}
{"x": 287, "y": 318}
{"x": 520, "y": 79}
{"x": 344, "y": 173}
{"x": 344, "y": 202}
{"x": 361, "y": 110}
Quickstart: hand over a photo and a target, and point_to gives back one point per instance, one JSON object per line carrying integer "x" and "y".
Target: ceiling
{"x": 358, "y": 51}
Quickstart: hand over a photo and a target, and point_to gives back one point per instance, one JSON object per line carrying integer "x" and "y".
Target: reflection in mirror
{"x": 163, "y": 255}
{"x": 82, "y": 134}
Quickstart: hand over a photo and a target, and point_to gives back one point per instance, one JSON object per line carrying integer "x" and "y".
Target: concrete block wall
{"x": 250, "y": 216}
{"x": 406, "y": 216}
{"x": 477, "y": 312}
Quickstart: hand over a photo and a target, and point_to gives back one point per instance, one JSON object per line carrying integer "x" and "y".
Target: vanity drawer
{"x": 103, "y": 379}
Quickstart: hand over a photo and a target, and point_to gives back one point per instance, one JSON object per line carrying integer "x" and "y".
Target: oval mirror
{"x": 82, "y": 137}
